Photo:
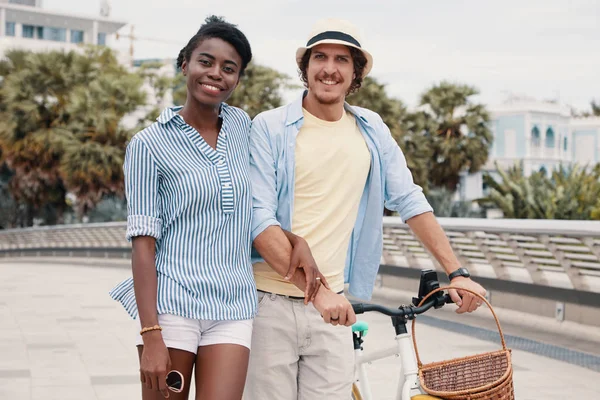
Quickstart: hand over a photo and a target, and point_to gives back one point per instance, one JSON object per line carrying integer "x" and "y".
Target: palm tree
{"x": 372, "y": 95}
{"x": 457, "y": 130}
{"x": 34, "y": 93}
{"x": 515, "y": 194}
{"x": 160, "y": 86}
{"x": 59, "y": 117}
{"x": 595, "y": 108}
{"x": 92, "y": 161}
{"x": 260, "y": 89}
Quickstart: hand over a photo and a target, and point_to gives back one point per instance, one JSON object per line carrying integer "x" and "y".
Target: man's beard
{"x": 328, "y": 100}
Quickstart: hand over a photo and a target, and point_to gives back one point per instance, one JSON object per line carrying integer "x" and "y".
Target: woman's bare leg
{"x": 221, "y": 371}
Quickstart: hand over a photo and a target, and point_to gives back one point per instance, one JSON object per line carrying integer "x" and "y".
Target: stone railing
{"x": 80, "y": 236}
{"x": 554, "y": 253}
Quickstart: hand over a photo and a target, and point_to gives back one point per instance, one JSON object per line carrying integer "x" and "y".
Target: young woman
{"x": 189, "y": 210}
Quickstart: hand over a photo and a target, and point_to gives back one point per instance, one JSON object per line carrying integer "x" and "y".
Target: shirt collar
{"x": 295, "y": 113}
{"x": 171, "y": 113}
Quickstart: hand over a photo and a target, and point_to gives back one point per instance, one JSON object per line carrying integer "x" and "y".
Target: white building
{"x": 535, "y": 133}
{"x": 24, "y": 24}
{"x": 586, "y": 140}
{"x": 540, "y": 135}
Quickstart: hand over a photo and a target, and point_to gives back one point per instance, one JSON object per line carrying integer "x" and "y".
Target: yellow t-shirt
{"x": 332, "y": 165}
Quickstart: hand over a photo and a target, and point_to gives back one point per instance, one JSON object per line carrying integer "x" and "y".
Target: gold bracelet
{"x": 151, "y": 328}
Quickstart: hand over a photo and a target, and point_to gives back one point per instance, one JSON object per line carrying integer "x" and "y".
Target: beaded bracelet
{"x": 151, "y": 328}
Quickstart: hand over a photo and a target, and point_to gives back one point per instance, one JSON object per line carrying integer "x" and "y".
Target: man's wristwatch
{"x": 459, "y": 272}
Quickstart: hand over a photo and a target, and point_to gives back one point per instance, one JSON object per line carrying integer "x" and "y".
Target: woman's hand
{"x": 155, "y": 363}
{"x": 302, "y": 258}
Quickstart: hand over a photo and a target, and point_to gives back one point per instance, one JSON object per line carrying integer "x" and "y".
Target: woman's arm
{"x": 144, "y": 227}
{"x": 145, "y": 282}
{"x": 155, "y": 362}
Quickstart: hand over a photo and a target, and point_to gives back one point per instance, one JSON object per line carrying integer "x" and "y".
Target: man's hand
{"x": 302, "y": 258}
{"x": 465, "y": 301}
{"x": 335, "y": 308}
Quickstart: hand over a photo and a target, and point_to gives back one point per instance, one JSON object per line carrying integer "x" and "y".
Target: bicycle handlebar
{"x": 403, "y": 311}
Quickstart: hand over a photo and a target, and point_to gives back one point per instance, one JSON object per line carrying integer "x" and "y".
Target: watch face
{"x": 460, "y": 272}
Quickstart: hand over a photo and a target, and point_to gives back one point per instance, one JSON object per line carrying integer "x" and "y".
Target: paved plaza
{"x": 62, "y": 337}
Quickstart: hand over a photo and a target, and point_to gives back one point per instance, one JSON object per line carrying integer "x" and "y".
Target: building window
{"x": 549, "y": 138}
{"x": 535, "y": 137}
{"x": 10, "y": 29}
{"x": 28, "y": 31}
{"x": 55, "y": 34}
{"x": 45, "y": 33}
{"x": 565, "y": 142}
{"x": 23, "y": 2}
{"x": 102, "y": 39}
{"x": 76, "y": 36}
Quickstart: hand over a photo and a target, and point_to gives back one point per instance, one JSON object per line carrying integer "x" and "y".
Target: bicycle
{"x": 408, "y": 385}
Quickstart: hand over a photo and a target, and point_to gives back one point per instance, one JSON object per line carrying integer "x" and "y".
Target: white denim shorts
{"x": 189, "y": 334}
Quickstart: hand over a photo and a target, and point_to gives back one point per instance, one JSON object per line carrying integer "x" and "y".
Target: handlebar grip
{"x": 358, "y": 308}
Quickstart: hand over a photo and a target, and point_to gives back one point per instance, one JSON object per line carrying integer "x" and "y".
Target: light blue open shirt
{"x": 272, "y": 166}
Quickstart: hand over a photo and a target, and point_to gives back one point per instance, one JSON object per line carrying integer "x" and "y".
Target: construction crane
{"x": 132, "y": 38}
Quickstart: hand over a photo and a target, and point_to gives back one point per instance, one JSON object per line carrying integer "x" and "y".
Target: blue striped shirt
{"x": 197, "y": 202}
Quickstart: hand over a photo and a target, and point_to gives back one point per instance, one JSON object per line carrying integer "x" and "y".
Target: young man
{"x": 324, "y": 170}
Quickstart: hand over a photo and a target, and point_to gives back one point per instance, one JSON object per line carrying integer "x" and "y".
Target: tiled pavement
{"x": 62, "y": 337}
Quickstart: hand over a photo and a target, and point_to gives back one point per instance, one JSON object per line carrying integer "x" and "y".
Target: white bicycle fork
{"x": 408, "y": 384}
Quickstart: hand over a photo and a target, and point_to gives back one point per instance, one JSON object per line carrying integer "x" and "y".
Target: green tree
{"x": 595, "y": 108}
{"x": 34, "y": 92}
{"x": 60, "y": 128}
{"x": 9, "y": 212}
{"x": 260, "y": 89}
{"x": 92, "y": 160}
{"x": 593, "y": 112}
{"x": 569, "y": 193}
{"x": 160, "y": 85}
{"x": 111, "y": 208}
{"x": 179, "y": 89}
{"x": 441, "y": 200}
{"x": 514, "y": 193}
{"x": 457, "y": 131}
{"x": 372, "y": 95}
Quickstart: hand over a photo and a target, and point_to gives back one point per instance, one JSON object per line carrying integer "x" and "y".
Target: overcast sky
{"x": 547, "y": 49}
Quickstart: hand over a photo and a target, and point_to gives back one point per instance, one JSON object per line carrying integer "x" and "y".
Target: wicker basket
{"x": 486, "y": 376}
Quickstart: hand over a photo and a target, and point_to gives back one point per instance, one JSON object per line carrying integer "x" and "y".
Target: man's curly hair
{"x": 358, "y": 59}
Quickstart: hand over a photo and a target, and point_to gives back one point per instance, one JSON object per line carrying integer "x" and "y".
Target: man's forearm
{"x": 430, "y": 233}
{"x": 274, "y": 246}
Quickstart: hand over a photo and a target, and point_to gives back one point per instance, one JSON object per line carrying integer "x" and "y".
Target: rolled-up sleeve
{"x": 141, "y": 190}
{"x": 263, "y": 176}
{"x": 401, "y": 193}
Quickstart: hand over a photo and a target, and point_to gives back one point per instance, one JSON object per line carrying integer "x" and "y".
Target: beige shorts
{"x": 297, "y": 356}
{"x": 189, "y": 334}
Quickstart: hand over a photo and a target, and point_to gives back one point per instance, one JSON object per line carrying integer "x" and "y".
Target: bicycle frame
{"x": 408, "y": 383}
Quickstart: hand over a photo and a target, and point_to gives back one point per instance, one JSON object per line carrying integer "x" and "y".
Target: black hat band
{"x": 334, "y": 35}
